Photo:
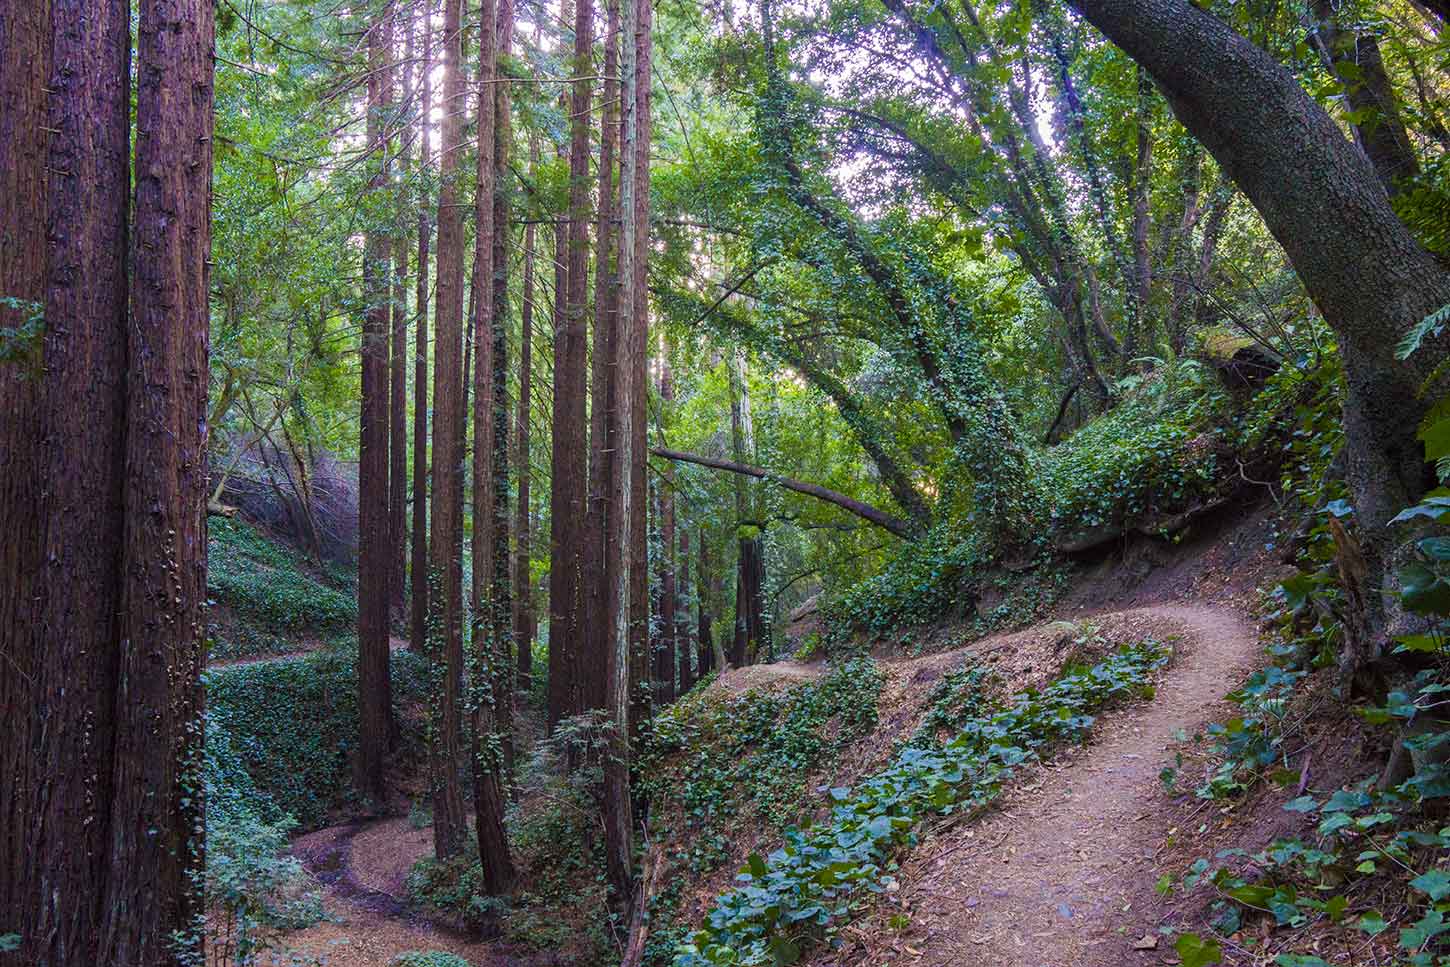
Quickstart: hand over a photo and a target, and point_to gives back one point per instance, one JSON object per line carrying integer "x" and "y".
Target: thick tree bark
{"x": 62, "y": 472}
{"x": 501, "y": 597}
{"x": 418, "y": 578}
{"x": 445, "y": 593}
{"x": 25, "y": 49}
{"x": 603, "y": 427}
{"x": 375, "y": 553}
{"x": 626, "y": 668}
{"x": 489, "y": 740}
{"x": 153, "y": 895}
{"x": 1324, "y": 203}
{"x": 579, "y": 684}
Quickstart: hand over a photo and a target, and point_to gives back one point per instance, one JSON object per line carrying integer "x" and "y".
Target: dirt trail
{"x": 1062, "y": 873}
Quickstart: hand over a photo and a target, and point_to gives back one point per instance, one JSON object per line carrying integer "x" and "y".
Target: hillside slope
{"x": 1064, "y": 871}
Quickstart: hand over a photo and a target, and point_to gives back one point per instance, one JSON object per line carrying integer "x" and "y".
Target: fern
{"x": 1431, "y": 325}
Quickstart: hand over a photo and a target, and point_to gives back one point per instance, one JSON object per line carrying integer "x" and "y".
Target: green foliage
{"x": 23, "y": 344}
{"x": 293, "y": 722}
{"x": 269, "y": 597}
{"x": 796, "y": 894}
{"x": 1144, "y": 457}
{"x": 429, "y": 958}
{"x": 924, "y": 581}
{"x": 710, "y": 757}
{"x": 1428, "y": 327}
{"x": 1253, "y": 744}
{"x": 940, "y": 574}
{"x": 254, "y": 888}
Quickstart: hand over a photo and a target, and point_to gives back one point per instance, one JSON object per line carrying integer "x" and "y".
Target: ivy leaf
{"x": 1436, "y": 883}
{"x": 1198, "y": 952}
{"x": 1373, "y": 923}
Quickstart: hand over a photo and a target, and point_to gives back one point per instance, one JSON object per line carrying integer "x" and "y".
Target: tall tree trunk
{"x": 418, "y": 585}
{"x": 445, "y": 593}
{"x": 501, "y": 597}
{"x": 398, "y": 371}
{"x": 1325, "y": 204}
{"x": 523, "y": 581}
{"x": 581, "y": 685}
{"x": 626, "y": 656}
{"x": 668, "y": 586}
{"x": 374, "y": 559}
{"x": 705, "y": 660}
{"x": 749, "y": 563}
{"x": 488, "y": 740}
{"x": 27, "y": 114}
{"x": 603, "y": 427}
{"x": 688, "y": 675}
{"x": 63, "y": 458}
{"x": 153, "y": 894}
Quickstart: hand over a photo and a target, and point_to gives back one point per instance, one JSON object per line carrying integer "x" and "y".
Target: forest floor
{"x": 363, "y": 867}
{"x": 1061, "y": 873}
{"x": 1063, "y": 870}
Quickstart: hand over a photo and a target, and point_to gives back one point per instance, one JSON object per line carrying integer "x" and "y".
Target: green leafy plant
{"x": 294, "y": 721}
{"x": 798, "y": 892}
{"x": 427, "y": 958}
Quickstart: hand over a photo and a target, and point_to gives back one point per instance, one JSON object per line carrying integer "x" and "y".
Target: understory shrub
{"x": 1141, "y": 457}
{"x": 264, "y": 584}
{"x": 293, "y": 722}
{"x": 710, "y": 756}
{"x": 800, "y": 891}
{"x": 427, "y": 958}
{"x": 254, "y": 890}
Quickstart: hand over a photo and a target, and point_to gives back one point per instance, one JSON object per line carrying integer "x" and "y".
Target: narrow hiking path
{"x": 1062, "y": 872}
{"x": 362, "y": 867}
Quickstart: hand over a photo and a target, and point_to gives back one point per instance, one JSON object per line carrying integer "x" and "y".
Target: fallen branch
{"x": 866, "y": 512}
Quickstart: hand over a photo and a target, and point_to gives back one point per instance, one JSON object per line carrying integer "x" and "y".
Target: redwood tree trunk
{"x": 374, "y": 559}
{"x": 488, "y": 758}
{"x": 603, "y": 426}
{"x": 157, "y": 823}
{"x": 25, "y": 48}
{"x": 418, "y": 584}
{"x": 398, "y": 384}
{"x": 445, "y": 552}
{"x": 501, "y": 619}
{"x": 523, "y": 583}
{"x": 582, "y": 679}
{"x": 62, "y": 472}
{"x": 626, "y": 659}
